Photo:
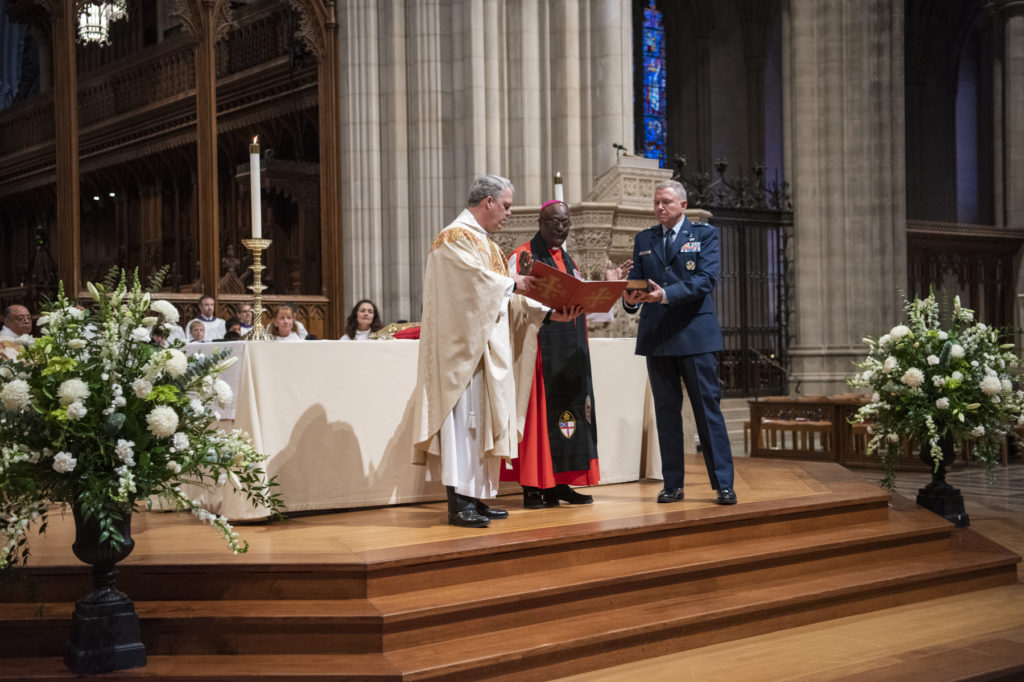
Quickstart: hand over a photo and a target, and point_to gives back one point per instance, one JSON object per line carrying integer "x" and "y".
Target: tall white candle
{"x": 254, "y": 189}
{"x": 558, "y": 187}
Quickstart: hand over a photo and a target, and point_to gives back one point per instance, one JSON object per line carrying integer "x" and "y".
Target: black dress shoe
{"x": 566, "y": 494}
{"x": 468, "y": 518}
{"x": 726, "y": 496}
{"x": 490, "y": 512}
{"x": 533, "y": 499}
{"x": 671, "y": 495}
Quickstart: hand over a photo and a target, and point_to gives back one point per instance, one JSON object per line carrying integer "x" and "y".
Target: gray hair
{"x": 488, "y": 186}
{"x": 676, "y": 187}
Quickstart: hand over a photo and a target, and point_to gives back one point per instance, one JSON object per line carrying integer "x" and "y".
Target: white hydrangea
{"x": 889, "y": 364}
{"x": 898, "y": 332}
{"x": 938, "y": 382}
{"x": 175, "y": 363}
{"x": 978, "y": 431}
{"x": 140, "y": 334}
{"x": 72, "y": 390}
{"x": 942, "y": 403}
{"x": 63, "y": 462}
{"x": 180, "y": 440}
{"x": 1006, "y": 385}
{"x": 162, "y": 421}
{"x": 956, "y": 351}
{"x": 991, "y": 386}
{"x": 893, "y": 438}
{"x": 125, "y": 451}
{"x": 76, "y": 410}
{"x": 884, "y": 341}
{"x": 957, "y": 375}
{"x": 166, "y": 310}
{"x": 16, "y": 395}
{"x": 943, "y": 335}
{"x": 913, "y": 377}
{"x": 142, "y": 387}
{"x": 223, "y": 392}
{"x": 933, "y": 359}
{"x": 868, "y": 375}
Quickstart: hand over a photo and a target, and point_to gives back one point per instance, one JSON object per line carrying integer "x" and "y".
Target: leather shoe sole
{"x": 671, "y": 495}
{"x": 726, "y": 496}
{"x": 468, "y": 518}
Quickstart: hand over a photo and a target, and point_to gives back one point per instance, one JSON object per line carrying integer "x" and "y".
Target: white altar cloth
{"x": 334, "y": 419}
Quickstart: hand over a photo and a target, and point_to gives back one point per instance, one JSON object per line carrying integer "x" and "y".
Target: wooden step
{"x": 433, "y": 614}
{"x": 562, "y": 646}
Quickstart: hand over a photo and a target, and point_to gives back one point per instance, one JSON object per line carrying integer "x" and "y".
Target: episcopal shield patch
{"x": 567, "y": 424}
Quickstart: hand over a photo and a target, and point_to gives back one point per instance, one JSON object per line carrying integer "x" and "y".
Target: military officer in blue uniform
{"x": 679, "y": 334}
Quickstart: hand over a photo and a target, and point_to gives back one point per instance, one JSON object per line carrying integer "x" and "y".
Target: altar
{"x": 334, "y": 418}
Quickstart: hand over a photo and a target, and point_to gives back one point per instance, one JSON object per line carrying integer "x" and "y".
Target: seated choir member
{"x": 196, "y": 332}
{"x": 362, "y": 321}
{"x": 283, "y": 326}
{"x": 234, "y": 330}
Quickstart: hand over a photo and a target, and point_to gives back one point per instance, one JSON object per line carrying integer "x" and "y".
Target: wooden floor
{"x": 808, "y": 561}
{"x": 953, "y": 638}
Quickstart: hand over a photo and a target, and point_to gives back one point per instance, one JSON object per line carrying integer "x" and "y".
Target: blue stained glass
{"x": 655, "y": 120}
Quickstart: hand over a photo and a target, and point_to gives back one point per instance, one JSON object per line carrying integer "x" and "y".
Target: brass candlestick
{"x": 257, "y": 246}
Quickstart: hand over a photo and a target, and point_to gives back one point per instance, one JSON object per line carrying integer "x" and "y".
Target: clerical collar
{"x": 208, "y": 319}
{"x": 468, "y": 218}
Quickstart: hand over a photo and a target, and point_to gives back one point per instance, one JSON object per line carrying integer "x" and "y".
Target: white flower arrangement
{"x": 95, "y": 416}
{"x": 930, "y": 382}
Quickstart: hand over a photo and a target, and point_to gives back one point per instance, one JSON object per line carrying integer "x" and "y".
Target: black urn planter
{"x": 939, "y": 496}
{"x": 104, "y": 627}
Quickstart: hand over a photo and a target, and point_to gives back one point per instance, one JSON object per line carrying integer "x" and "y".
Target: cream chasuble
{"x": 478, "y": 342}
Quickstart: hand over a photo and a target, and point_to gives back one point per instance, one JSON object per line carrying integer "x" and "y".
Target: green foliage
{"x": 93, "y": 415}
{"x": 929, "y": 381}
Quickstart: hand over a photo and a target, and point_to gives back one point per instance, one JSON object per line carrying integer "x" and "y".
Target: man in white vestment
{"x": 213, "y": 325}
{"x": 478, "y": 340}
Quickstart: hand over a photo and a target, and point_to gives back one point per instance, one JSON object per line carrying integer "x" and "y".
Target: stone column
{"x": 846, "y": 113}
{"x": 1013, "y": 112}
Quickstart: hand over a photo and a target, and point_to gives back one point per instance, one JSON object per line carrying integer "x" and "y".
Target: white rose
{"x": 938, "y": 382}
{"x": 142, "y": 388}
{"x": 76, "y": 313}
{"x": 868, "y": 375}
{"x": 933, "y": 359}
{"x": 978, "y": 431}
{"x": 140, "y": 334}
{"x": 76, "y": 344}
{"x": 162, "y": 421}
{"x": 16, "y": 395}
{"x": 991, "y": 385}
{"x": 889, "y": 364}
{"x": 174, "y": 466}
{"x": 957, "y": 351}
{"x": 942, "y": 403}
{"x": 899, "y": 331}
{"x": 884, "y": 341}
{"x": 149, "y": 321}
{"x": 943, "y": 335}
{"x": 72, "y": 390}
{"x": 957, "y": 375}
{"x": 180, "y": 440}
{"x": 875, "y": 397}
{"x": 913, "y": 377}
{"x": 893, "y": 438}
{"x": 63, "y": 462}
{"x": 76, "y": 410}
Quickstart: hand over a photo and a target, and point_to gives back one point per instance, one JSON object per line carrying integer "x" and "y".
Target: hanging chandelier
{"x": 95, "y": 18}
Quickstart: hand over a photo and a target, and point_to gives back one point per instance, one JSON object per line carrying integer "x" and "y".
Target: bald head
{"x": 18, "y": 319}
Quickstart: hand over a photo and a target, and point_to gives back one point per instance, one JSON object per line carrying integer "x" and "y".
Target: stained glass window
{"x": 655, "y": 128}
